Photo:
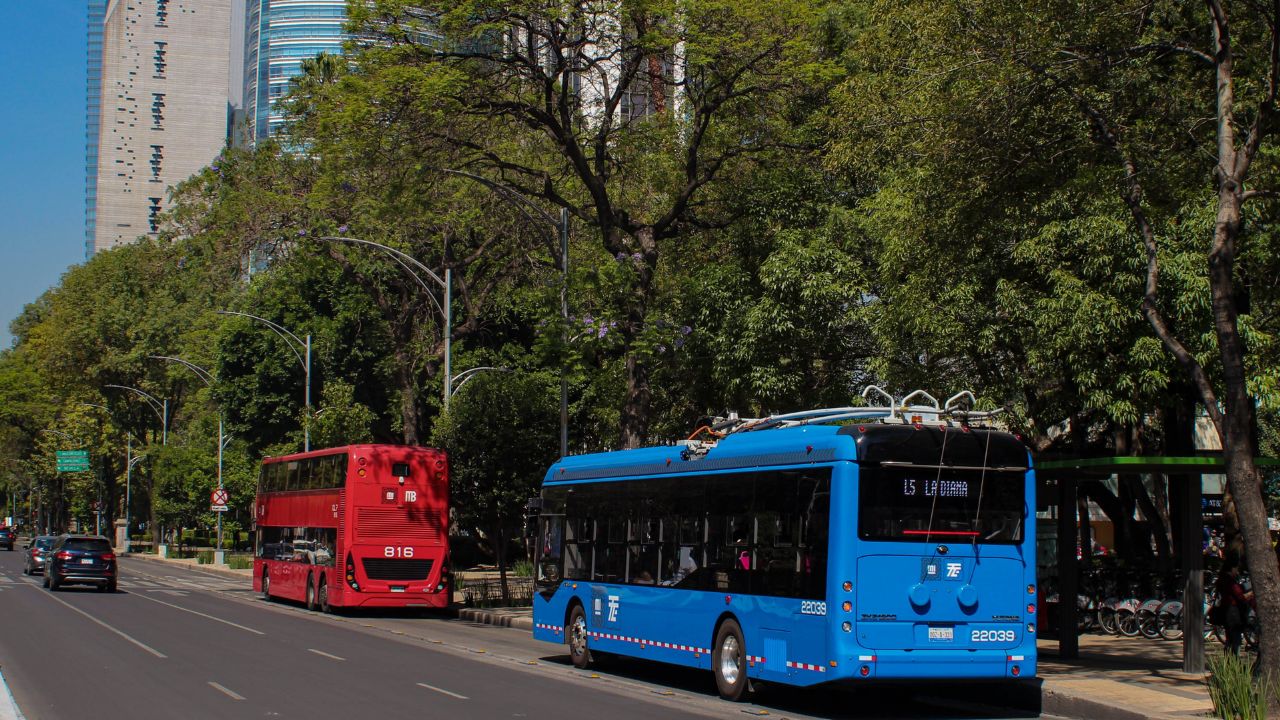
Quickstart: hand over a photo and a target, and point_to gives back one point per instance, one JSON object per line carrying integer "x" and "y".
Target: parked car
{"x": 37, "y": 554}
{"x": 81, "y": 560}
{"x": 7, "y": 536}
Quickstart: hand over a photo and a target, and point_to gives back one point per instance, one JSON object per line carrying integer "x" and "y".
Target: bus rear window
{"x": 923, "y": 505}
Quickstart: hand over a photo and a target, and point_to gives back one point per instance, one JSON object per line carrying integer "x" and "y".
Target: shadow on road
{"x": 867, "y": 700}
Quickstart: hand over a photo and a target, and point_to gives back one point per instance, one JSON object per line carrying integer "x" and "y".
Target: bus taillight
{"x": 351, "y": 574}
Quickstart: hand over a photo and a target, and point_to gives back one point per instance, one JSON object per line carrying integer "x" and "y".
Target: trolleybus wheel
{"x": 575, "y": 634}
{"x": 266, "y": 585}
{"x": 311, "y": 595}
{"x": 322, "y": 596}
{"x": 729, "y": 661}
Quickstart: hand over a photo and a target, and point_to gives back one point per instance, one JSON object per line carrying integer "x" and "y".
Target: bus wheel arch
{"x": 729, "y": 658}
{"x": 575, "y": 635}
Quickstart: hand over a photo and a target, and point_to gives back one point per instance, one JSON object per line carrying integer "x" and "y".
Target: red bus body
{"x": 354, "y": 526}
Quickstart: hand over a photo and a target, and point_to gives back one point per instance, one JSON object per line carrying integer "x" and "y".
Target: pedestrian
{"x": 1235, "y": 603}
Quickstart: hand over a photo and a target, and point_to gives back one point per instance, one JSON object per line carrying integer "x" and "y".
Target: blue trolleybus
{"x": 830, "y": 545}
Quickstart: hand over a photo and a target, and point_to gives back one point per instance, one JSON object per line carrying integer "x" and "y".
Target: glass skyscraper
{"x": 279, "y": 35}
{"x": 92, "y": 116}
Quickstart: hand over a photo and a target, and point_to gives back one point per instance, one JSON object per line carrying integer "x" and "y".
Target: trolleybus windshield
{"x": 919, "y": 504}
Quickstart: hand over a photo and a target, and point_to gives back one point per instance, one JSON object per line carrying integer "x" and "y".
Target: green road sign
{"x": 73, "y": 460}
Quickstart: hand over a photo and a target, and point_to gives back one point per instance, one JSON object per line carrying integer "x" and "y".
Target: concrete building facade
{"x": 164, "y": 108}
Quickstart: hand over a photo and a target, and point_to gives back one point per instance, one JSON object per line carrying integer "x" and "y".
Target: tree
{"x": 628, "y": 115}
{"x": 1110, "y": 101}
{"x": 500, "y": 433}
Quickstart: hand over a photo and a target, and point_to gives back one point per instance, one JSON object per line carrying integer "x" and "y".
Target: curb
{"x": 1056, "y": 702}
{"x": 484, "y": 617}
{"x": 1074, "y": 706}
{"x": 213, "y": 569}
{"x": 8, "y": 706}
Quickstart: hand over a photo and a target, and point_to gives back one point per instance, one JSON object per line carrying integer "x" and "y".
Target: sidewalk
{"x": 1118, "y": 678}
{"x": 1114, "y": 678}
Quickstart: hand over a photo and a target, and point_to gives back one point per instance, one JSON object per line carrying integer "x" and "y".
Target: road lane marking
{"x": 197, "y": 612}
{"x": 321, "y": 652}
{"x": 121, "y": 633}
{"x": 443, "y": 691}
{"x": 229, "y": 693}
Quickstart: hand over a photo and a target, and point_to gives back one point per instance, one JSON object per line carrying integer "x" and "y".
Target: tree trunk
{"x": 499, "y": 539}
{"x": 634, "y": 421}
{"x": 408, "y": 397}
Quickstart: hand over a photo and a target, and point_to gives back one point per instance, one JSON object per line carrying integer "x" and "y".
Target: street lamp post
{"x": 208, "y": 380}
{"x": 533, "y": 212}
{"x": 303, "y": 353}
{"x": 129, "y": 461}
{"x": 159, "y": 407}
{"x": 462, "y": 377}
{"x": 408, "y": 263}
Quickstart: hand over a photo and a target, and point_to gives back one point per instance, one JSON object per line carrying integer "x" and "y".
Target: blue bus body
{"x": 876, "y": 551}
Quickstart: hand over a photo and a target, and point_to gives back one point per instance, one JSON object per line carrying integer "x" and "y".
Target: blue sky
{"x": 42, "y": 51}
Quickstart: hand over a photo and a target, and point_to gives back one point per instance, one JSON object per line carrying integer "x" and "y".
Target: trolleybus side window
{"x": 763, "y": 533}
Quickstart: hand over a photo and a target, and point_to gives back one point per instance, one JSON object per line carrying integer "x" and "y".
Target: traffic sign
{"x": 218, "y": 500}
{"x": 72, "y": 460}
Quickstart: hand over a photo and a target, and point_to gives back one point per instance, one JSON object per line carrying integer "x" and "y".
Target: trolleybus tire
{"x": 575, "y": 635}
{"x": 729, "y": 661}
{"x": 311, "y": 594}
{"x": 266, "y": 585}
{"x": 322, "y": 596}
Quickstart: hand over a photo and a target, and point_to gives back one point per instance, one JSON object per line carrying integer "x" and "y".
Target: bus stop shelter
{"x": 1185, "y": 474}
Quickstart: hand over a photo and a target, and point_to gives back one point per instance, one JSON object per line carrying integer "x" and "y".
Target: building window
{"x": 157, "y": 159}
{"x": 153, "y": 214}
{"x": 157, "y": 111}
{"x": 160, "y": 57}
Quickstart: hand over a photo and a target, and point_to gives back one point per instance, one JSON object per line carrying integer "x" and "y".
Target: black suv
{"x": 83, "y": 560}
{"x": 7, "y": 536}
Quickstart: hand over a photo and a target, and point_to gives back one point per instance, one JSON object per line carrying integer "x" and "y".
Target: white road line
{"x": 121, "y": 633}
{"x": 229, "y": 693}
{"x": 197, "y": 612}
{"x": 321, "y": 652}
{"x": 443, "y": 691}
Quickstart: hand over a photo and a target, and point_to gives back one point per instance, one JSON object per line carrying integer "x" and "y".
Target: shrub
{"x": 240, "y": 562}
{"x": 1236, "y": 693}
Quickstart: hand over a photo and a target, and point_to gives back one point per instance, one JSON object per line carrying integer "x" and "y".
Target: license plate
{"x": 942, "y": 634}
{"x": 86, "y": 561}
{"x": 397, "y": 588}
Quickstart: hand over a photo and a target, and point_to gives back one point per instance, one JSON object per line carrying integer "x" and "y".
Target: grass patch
{"x": 240, "y": 562}
{"x": 1236, "y": 693}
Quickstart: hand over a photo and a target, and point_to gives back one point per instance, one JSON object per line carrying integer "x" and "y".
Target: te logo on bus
{"x": 614, "y": 604}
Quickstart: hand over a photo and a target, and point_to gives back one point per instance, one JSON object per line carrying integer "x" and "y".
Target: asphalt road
{"x": 179, "y": 642}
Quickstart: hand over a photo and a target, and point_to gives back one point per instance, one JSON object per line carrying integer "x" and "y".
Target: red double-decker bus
{"x": 354, "y": 526}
